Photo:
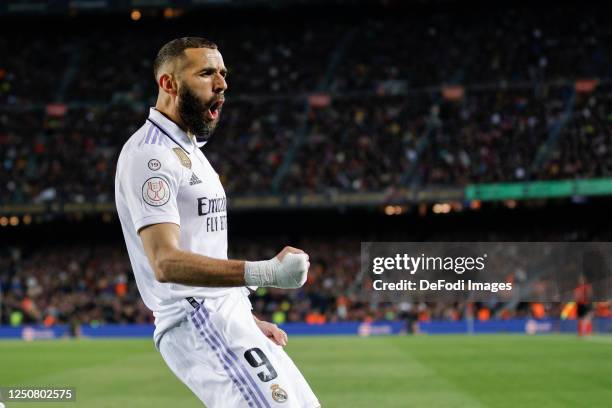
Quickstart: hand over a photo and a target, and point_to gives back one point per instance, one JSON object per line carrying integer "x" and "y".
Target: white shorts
{"x": 223, "y": 357}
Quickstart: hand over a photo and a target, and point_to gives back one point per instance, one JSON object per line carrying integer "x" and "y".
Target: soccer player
{"x": 172, "y": 209}
{"x": 582, "y": 295}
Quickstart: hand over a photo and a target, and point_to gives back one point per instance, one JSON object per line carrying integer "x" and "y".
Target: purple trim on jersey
{"x": 161, "y": 129}
{"x": 148, "y": 137}
{"x": 228, "y": 364}
{"x": 229, "y": 350}
{"x": 237, "y": 363}
{"x": 154, "y": 136}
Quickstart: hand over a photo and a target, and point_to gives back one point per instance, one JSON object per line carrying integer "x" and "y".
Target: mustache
{"x": 216, "y": 102}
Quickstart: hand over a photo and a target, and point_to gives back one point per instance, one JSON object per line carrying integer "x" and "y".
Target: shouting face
{"x": 201, "y": 91}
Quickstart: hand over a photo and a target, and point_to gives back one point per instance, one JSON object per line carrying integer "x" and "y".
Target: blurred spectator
{"x": 93, "y": 284}
{"x": 386, "y": 126}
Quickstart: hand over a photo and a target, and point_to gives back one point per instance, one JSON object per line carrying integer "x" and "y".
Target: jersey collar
{"x": 171, "y": 129}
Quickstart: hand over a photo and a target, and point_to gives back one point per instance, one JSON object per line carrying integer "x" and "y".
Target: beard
{"x": 192, "y": 111}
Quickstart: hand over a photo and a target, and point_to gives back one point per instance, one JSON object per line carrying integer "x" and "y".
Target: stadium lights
{"x": 135, "y": 15}
{"x": 170, "y": 12}
{"x": 393, "y": 210}
{"x": 441, "y": 208}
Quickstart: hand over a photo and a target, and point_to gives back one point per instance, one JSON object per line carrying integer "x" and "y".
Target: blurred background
{"x": 344, "y": 122}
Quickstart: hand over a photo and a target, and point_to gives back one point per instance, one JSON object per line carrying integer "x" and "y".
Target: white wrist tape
{"x": 290, "y": 273}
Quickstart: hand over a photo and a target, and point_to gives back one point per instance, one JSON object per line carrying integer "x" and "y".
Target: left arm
{"x": 271, "y": 331}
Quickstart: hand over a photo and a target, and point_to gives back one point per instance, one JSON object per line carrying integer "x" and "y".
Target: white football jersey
{"x": 162, "y": 176}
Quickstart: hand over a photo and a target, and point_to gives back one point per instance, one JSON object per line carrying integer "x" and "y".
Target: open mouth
{"x": 215, "y": 108}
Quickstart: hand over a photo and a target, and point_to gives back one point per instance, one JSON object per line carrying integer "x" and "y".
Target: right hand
{"x": 288, "y": 250}
{"x": 293, "y": 268}
{"x": 287, "y": 270}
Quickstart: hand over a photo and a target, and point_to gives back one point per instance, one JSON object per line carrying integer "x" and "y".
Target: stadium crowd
{"x": 491, "y": 136}
{"x": 381, "y": 123}
{"x": 475, "y": 46}
{"x": 93, "y": 284}
{"x": 72, "y": 157}
{"x": 584, "y": 147}
{"x": 354, "y": 145}
{"x": 357, "y": 104}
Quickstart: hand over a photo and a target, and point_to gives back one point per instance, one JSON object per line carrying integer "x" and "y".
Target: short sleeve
{"x": 150, "y": 183}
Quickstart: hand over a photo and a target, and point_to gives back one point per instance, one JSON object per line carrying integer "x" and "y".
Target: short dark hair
{"x": 176, "y": 48}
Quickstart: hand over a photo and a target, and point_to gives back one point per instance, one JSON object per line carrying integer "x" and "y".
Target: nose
{"x": 220, "y": 85}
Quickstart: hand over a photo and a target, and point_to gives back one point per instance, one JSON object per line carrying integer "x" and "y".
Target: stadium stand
{"x": 385, "y": 122}
{"x": 314, "y": 106}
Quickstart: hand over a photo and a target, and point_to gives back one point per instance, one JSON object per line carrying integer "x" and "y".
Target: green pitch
{"x": 436, "y": 371}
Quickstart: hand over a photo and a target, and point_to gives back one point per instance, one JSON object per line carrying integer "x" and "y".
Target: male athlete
{"x": 172, "y": 208}
{"x": 582, "y": 295}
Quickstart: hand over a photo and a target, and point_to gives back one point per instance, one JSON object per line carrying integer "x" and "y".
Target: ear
{"x": 168, "y": 84}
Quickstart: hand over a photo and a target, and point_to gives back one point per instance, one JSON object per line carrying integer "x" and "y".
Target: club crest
{"x": 278, "y": 394}
{"x": 185, "y": 161}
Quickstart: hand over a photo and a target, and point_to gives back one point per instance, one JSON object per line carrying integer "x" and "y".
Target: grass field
{"x": 437, "y": 371}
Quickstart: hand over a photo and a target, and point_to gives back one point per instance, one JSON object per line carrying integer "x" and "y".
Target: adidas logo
{"x": 194, "y": 180}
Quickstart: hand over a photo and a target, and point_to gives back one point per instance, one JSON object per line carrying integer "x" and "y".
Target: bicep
{"x": 159, "y": 240}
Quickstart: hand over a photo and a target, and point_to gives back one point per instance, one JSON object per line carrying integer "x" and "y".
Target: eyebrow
{"x": 213, "y": 69}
